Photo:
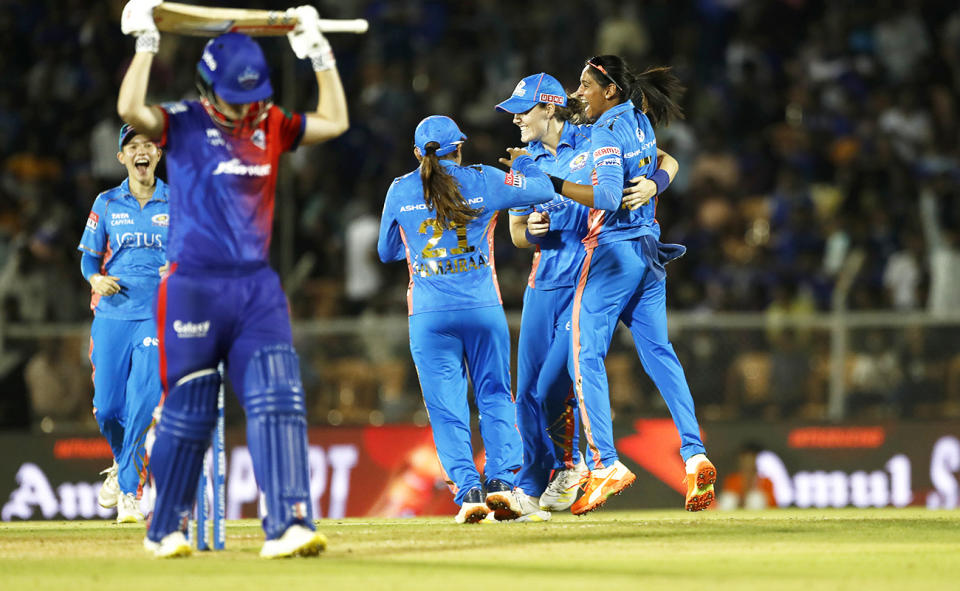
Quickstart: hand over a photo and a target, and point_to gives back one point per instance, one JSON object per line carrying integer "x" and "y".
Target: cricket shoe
{"x": 502, "y": 500}
{"x": 530, "y": 510}
{"x": 600, "y": 485}
{"x": 172, "y": 545}
{"x": 110, "y": 489}
{"x": 128, "y": 509}
{"x": 473, "y": 509}
{"x": 562, "y": 490}
{"x": 298, "y": 540}
{"x": 700, "y": 478}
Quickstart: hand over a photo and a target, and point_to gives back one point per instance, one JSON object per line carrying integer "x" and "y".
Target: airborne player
{"x": 222, "y": 154}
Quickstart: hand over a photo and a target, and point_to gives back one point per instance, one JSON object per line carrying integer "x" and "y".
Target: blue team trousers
{"x": 546, "y": 413}
{"x": 445, "y": 345}
{"x": 616, "y": 283}
{"x": 126, "y": 386}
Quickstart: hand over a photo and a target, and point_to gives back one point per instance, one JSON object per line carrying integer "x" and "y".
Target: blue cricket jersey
{"x": 559, "y": 255}
{"x": 624, "y": 147}
{"x": 222, "y": 187}
{"x": 452, "y": 268}
{"x": 130, "y": 242}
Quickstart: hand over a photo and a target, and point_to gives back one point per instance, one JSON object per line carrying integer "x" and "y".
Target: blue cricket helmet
{"x": 233, "y": 66}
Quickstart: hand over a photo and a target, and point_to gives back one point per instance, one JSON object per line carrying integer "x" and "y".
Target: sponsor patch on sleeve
{"x": 607, "y": 162}
{"x": 92, "y": 221}
{"x": 606, "y": 151}
{"x": 515, "y": 179}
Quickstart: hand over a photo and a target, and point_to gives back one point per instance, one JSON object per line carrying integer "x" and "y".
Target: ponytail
{"x": 656, "y": 91}
{"x": 441, "y": 192}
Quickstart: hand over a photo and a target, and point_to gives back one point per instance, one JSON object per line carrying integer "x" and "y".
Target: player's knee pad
{"x": 277, "y": 436}
{"x": 190, "y": 409}
{"x": 272, "y": 382}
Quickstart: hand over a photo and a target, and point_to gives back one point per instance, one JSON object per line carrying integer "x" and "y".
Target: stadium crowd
{"x": 813, "y": 130}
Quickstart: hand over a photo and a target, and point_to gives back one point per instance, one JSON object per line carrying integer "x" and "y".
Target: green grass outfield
{"x": 782, "y": 549}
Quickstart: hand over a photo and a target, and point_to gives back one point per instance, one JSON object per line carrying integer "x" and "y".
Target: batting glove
{"x": 307, "y": 41}
{"x": 137, "y": 20}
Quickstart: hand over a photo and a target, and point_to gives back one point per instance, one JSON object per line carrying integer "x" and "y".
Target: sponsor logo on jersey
{"x": 520, "y": 90}
{"x": 148, "y": 342}
{"x": 606, "y": 151}
{"x": 608, "y": 162}
{"x": 632, "y": 154}
{"x": 414, "y": 207}
{"x": 92, "y": 221}
{"x": 120, "y": 219}
{"x": 138, "y": 240}
{"x": 161, "y": 219}
{"x": 516, "y": 179}
{"x": 259, "y": 139}
{"x": 208, "y": 59}
{"x": 579, "y": 161}
{"x": 191, "y": 330}
{"x": 174, "y": 108}
{"x": 214, "y": 138}
{"x": 234, "y": 166}
{"x": 551, "y": 98}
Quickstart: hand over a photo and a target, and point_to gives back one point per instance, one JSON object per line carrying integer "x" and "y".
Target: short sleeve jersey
{"x": 222, "y": 187}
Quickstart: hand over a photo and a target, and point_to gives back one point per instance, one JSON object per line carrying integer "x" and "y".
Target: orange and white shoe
{"x": 601, "y": 485}
{"x": 700, "y": 478}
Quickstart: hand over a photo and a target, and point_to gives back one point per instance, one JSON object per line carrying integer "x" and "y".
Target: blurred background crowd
{"x": 821, "y": 146}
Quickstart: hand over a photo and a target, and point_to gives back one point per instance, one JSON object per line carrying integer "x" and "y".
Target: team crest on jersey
{"x": 92, "y": 221}
{"x": 579, "y": 161}
{"x": 520, "y": 90}
{"x": 161, "y": 219}
{"x": 249, "y": 78}
{"x": 259, "y": 139}
{"x": 640, "y": 135}
{"x": 516, "y": 179}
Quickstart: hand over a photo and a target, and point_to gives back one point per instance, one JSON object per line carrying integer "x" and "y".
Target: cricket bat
{"x": 206, "y": 21}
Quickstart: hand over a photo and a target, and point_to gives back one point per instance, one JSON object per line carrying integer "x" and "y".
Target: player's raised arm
{"x": 137, "y": 20}
{"x": 330, "y": 117}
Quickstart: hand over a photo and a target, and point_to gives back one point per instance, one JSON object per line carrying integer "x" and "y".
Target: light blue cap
{"x": 440, "y": 129}
{"x": 532, "y": 90}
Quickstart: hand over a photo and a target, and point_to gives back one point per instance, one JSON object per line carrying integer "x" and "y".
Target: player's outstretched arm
{"x": 330, "y": 117}
{"x": 137, "y": 20}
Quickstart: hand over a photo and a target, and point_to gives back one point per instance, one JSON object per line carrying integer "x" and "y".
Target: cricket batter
{"x": 220, "y": 299}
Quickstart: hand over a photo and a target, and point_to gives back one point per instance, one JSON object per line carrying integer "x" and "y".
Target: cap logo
{"x": 208, "y": 59}
{"x": 248, "y": 78}
{"x": 551, "y": 98}
{"x": 520, "y": 90}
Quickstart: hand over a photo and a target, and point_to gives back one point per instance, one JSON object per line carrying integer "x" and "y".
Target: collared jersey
{"x": 221, "y": 186}
{"x": 452, "y": 268}
{"x": 624, "y": 147}
{"x": 130, "y": 242}
{"x": 557, "y": 260}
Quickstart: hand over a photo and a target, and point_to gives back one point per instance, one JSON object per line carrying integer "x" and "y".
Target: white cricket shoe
{"x": 502, "y": 500}
{"x": 172, "y": 545}
{"x": 296, "y": 541}
{"x": 110, "y": 489}
{"x": 530, "y": 511}
{"x": 128, "y": 509}
{"x": 473, "y": 508}
{"x": 562, "y": 490}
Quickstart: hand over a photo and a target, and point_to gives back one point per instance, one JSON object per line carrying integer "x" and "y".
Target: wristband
{"x": 533, "y": 239}
{"x": 148, "y": 42}
{"x": 661, "y": 179}
{"x": 557, "y": 184}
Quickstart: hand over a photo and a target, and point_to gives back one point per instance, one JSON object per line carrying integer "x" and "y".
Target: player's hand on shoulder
{"x": 137, "y": 17}
{"x": 638, "y": 193}
{"x": 513, "y": 154}
{"x": 306, "y": 39}
{"x": 105, "y": 285}
{"x": 538, "y": 223}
